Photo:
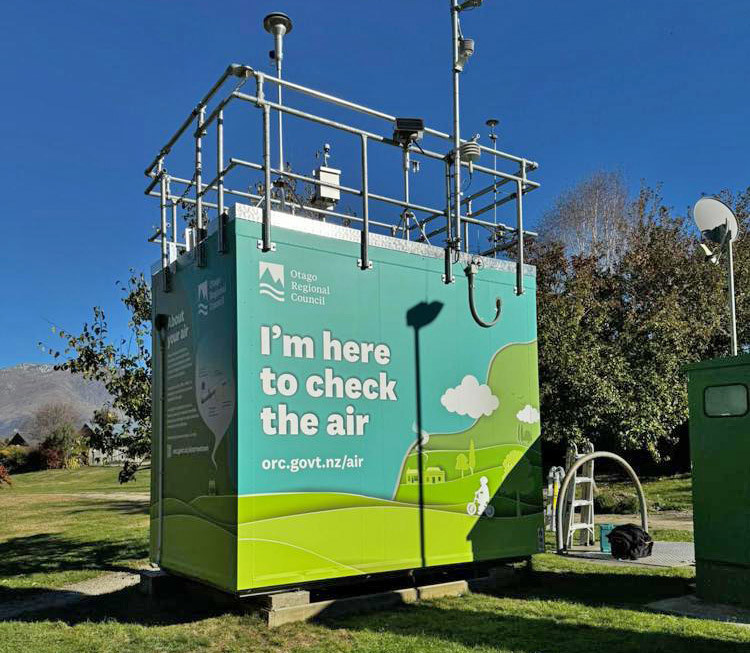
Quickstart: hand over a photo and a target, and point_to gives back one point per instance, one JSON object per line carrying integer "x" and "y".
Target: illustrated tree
{"x": 510, "y": 460}
{"x": 124, "y": 367}
{"x": 472, "y": 462}
{"x": 462, "y": 463}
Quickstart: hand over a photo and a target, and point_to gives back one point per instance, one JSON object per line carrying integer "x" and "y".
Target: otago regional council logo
{"x": 271, "y": 280}
{"x": 203, "y": 298}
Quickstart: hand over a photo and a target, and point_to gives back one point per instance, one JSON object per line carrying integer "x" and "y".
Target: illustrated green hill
{"x": 513, "y": 379}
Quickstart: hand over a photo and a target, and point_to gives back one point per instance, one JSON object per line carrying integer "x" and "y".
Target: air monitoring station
{"x": 345, "y": 367}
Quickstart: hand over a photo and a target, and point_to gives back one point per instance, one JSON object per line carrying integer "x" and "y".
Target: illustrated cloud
{"x": 528, "y": 414}
{"x": 470, "y": 398}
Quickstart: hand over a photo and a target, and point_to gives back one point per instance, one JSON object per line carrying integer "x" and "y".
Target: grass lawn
{"x": 667, "y": 493}
{"x": 52, "y": 534}
{"x": 76, "y": 481}
{"x": 565, "y": 606}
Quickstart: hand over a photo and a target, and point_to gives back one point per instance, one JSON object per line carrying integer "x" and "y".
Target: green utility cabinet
{"x": 720, "y": 451}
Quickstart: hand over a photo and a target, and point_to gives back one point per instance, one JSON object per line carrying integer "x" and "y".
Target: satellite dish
{"x": 714, "y": 219}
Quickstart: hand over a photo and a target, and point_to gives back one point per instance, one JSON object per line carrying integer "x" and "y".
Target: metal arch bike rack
{"x": 560, "y": 537}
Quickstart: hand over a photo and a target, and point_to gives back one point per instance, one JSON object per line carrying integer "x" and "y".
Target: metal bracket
{"x": 167, "y": 281}
{"x": 222, "y": 233}
{"x": 271, "y": 247}
{"x": 447, "y": 276}
{"x": 471, "y": 271}
{"x": 367, "y": 266}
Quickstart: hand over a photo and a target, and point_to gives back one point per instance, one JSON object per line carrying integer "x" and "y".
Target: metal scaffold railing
{"x": 452, "y": 224}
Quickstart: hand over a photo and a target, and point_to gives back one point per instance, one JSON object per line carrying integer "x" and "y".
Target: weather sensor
{"x": 408, "y": 130}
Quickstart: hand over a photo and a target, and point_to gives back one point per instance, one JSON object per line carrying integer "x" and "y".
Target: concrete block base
{"x": 281, "y": 609}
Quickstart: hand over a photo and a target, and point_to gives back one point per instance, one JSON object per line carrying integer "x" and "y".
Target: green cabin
{"x": 720, "y": 451}
{"x": 289, "y": 386}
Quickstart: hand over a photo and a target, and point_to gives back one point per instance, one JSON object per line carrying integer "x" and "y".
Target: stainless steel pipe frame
{"x": 456, "y": 224}
{"x": 561, "y": 535}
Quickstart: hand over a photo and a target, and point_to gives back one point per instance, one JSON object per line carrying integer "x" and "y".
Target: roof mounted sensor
{"x": 408, "y": 130}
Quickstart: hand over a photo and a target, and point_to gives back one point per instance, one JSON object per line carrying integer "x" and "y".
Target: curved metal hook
{"x": 471, "y": 270}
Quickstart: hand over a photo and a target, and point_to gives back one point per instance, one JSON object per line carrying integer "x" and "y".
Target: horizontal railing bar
{"x": 234, "y": 69}
{"x": 188, "y": 200}
{"x": 217, "y": 110}
{"x": 384, "y": 116}
{"x": 493, "y": 186}
{"x": 152, "y": 185}
{"x": 294, "y": 175}
{"x": 309, "y": 116}
{"x": 353, "y": 191}
{"x": 495, "y": 173}
{"x": 489, "y": 207}
{"x": 252, "y": 196}
{"x": 407, "y": 205}
{"x": 377, "y": 137}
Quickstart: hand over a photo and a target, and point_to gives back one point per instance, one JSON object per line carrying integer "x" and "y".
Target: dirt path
{"x": 666, "y": 519}
{"x": 69, "y": 594}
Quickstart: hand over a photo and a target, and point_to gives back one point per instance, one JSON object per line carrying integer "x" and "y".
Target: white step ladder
{"x": 579, "y": 504}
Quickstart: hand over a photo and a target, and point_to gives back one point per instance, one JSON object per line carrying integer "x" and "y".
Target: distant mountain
{"x": 25, "y": 388}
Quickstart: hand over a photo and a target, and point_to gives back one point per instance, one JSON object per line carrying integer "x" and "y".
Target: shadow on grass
{"x": 122, "y": 506}
{"x": 631, "y": 591}
{"x": 130, "y": 606}
{"x": 49, "y": 553}
{"x": 527, "y": 634}
{"x": 459, "y": 623}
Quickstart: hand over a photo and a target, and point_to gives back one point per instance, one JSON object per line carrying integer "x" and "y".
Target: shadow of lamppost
{"x": 418, "y": 317}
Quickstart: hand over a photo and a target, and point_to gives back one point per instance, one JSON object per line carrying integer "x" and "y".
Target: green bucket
{"x": 604, "y": 530}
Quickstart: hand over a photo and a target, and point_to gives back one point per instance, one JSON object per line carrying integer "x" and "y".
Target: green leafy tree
{"x": 614, "y": 337}
{"x": 124, "y": 367}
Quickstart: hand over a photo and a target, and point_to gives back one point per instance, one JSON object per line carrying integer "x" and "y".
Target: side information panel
{"x": 194, "y": 420}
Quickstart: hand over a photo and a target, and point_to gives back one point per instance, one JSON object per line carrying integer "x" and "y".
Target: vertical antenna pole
{"x": 519, "y": 233}
{"x": 221, "y": 215}
{"x": 280, "y": 112}
{"x": 492, "y": 123}
{"x": 266, "y": 244}
{"x": 456, "y": 128}
{"x": 199, "y": 235}
{"x": 406, "y": 213}
{"x": 364, "y": 257}
{"x": 163, "y": 225}
{"x": 447, "y": 271}
{"x": 174, "y": 218}
{"x": 220, "y": 159}
{"x": 732, "y": 307}
{"x": 278, "y": 24}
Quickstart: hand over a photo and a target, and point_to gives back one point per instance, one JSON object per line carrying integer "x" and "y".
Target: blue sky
{"x": 658, "y": 90}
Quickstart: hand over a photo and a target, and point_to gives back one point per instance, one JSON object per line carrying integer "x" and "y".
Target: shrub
{"x": 4, "y": 476}
{"x": 63, "y": 449}
{"x": 18, "y": 459}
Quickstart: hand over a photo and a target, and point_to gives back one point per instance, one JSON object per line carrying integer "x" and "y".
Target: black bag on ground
{"x": 630, "y": 542}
